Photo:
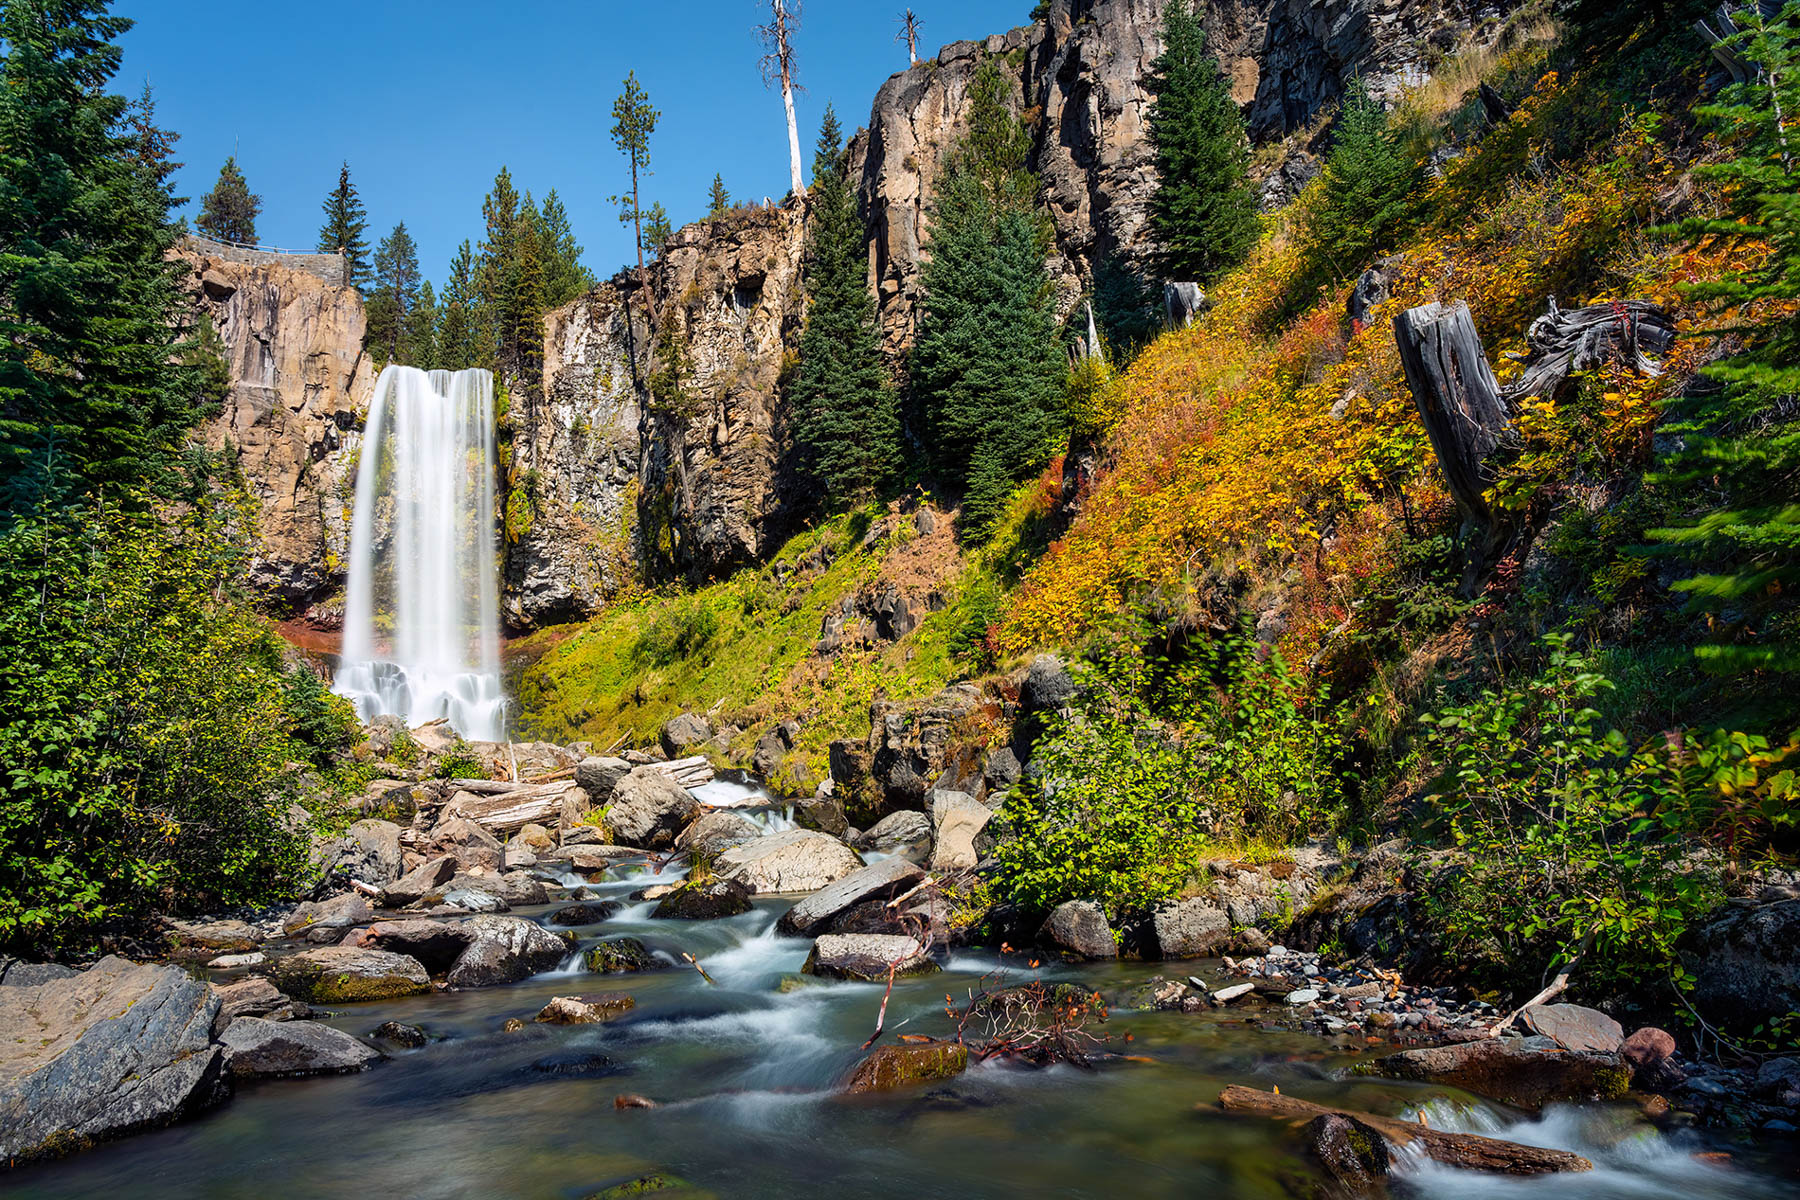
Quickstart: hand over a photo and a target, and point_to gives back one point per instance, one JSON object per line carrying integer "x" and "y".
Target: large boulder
{"x": 1504, "y": 1070}
{"x": 599, "y": 775}
{"x": 370, "y": 853}
{"x": 1078, "y": 929}
{"x": 910, "y": 745}
{"x": 110, "y": 1051}
{"x": 472, "y": 846}
{"x": 506, "y": 950}
{"x": 346, "y": 974}
{"x": 717, "y": 832}
{"x": 328, "y": 916}
{"x": 423, "y": 880}
{"x": 799, "y": 860}
{"x": 680, "y": 735}
{"x": 1746, "y": 963}
{"x": 957, "y": 820}
{"x": 1045, "y": 690}
{"x": 878, "y": 881}
{"x": 281, "y": 1048}
{"x": 649, "y": 809}
{"x": 867, "y": 957}
{"x": 436, "y": 944}
{"x": 907, "y": 833}
{"x": 1196, "y": 928}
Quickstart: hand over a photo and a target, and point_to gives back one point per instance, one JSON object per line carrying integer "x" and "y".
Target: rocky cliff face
{"x": 299, "y": 383}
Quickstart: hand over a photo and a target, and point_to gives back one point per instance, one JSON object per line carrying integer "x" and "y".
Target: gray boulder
{"x": 206, "y": 938}
{"x": 370, "y": 852}
{"x": 957, "y": 820}
{"x": 260, "y": 1048}
{"x": 506, "y": 950}
{"x": 867, "y": 956}
{"x": 423, "y": 880}
{"x": 681, "y": 734}
{"x": 799, "y": 860}
{"x": 1078, "y": 929}
{"x": 1195, "y": 928}
{"x": 878, "y": 881}
{"x": 599, "y": 775}
{"x": 717, "y": 832}
{"x": 907, "y": 832}
{"x": 1746, "y": 963}
{"x": 823, "y": 813}
{"x": 704, "y": 901}
{"x": 116, "y": 1049}
{"x": 773, "y": 747}
{"x": 650, "y": 809}
{"x": 14, "y": 973}
{"x": 512, "y": 888}
{"x": 1574, "y": 1027}
{"x": 330, "y": 916}
{"x": 436, "y": 944}
{"x": 256, "y": 997}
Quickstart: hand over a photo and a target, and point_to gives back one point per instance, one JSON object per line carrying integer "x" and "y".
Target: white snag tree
{"x": 778, "y": 64}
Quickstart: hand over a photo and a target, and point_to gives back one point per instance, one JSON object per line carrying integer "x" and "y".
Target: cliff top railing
{"x": 329, "y": 267}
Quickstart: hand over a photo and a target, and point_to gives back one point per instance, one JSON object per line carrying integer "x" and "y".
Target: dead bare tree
{"x": 909, "y": 33}
{"x": 778, "y": 64}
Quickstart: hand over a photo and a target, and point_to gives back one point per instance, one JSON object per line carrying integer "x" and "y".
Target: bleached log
{"x": 553, "y": 805}
{"x": 688, "y": 772}
{"x": 1468, "y": 1150}
{"x": 1583, "y": 339}
{"x": 485, "y": 787}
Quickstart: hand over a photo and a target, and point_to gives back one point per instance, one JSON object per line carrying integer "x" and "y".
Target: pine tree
{"x": 1204, "y": 213}
{"x": 845, "y": 409}
{"x": 494, "y": 284}
{"x": 564, "y": 276}
{"x": 1739, "y": 445}
{"x": 986, "y": 366}
{"x": 395, "y": 289}
{"x": 657, "y": 230}
{"x": 419, "y": 340}
{"x": 456, "y": 338}
{"x": 228, "y": 212}
{"x": 152, "y": 145}
{"x": 527, "y": 309}
{"x": 346, "y": 221}
{"x": 93, "y": 387}
{"x": 633, "y": 123}
{"x": 1367, "y": 198}
{"x": 718, "y": 200}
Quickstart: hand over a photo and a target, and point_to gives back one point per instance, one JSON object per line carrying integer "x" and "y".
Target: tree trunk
{"x": 1463, "y": 409}
{"x": 1467, "y": 1150}
{"x": 785, "y": 55}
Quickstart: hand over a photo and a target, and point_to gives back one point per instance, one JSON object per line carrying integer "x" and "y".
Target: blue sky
{"x": 428, "y": 98}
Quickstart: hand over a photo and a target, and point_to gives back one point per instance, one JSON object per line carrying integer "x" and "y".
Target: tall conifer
{"x": 457, "y": 342}
{"x": 564, "y": 276}
{"x": 395, "y": 291}
{"x": 1203, "y": 214}
{"x": 1369, "y": 192}
{"x": 527, "y": 309}
{"x": 346, "y": 221}
{"x": 228, "y": 213}
{"x": 845, "y": 409}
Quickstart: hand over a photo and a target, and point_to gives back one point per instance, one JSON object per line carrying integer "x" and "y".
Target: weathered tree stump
{"x": 1582, "y": 339}
{"x": 1465, "y": 414}
{"x": 1182, "y": 302}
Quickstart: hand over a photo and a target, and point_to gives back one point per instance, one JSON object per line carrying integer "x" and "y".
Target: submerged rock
{"x": 799, "y": 860}
{"x": 896, "y": 1066}
{"x": 619, "y": 955}
{"x": 867, "y": 957}
{"x": 506, "y": 950}
{"x": 585, "y": 1010}
{"x": 115, "y": 1049}
{"x": 398, "y": 1033}
{"x": 1512, "y": 1074}
{"x": 281, "y": 1048}
{"x": 1078, "y": 929}
{"x": 347, "y": 974}
{"x": 878, "y": 881}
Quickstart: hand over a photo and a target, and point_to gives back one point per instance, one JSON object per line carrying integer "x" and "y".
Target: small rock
{"x": 1303, "y": 996}
{"x": 894, "y": 1066}
{"x": 1236, "y": 991}
{"x": 400, "y": 1034}
{"x": 619, "y": 955}
{"x": 591, "y": 913}
{"x": 231, "y": 962}
{"x": 585, "y": 1010}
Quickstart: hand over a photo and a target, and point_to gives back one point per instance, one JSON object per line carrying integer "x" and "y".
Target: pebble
{"x": 1302, "y": 996}
{"x": 1236, "y": 991}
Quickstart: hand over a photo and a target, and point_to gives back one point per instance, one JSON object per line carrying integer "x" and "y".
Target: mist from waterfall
{"x": 422, "y": 617}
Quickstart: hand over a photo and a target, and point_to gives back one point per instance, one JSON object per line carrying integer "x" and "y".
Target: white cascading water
{"x": 422, "y": 618}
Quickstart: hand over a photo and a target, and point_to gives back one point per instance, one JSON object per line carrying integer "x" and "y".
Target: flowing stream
{"x": 746, "y": 1069}
{"x": 422, "y": 615}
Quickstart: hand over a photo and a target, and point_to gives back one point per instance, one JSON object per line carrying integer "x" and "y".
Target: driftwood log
{"x": 1459, "y": 401}
{"x": 1722, "y": 26}
{"x": 553, "y": 805}
{"x": 1582, "y": 339}
{"x": 1467, "y": 1150}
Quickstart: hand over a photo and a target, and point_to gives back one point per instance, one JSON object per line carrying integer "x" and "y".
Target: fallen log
{"x": 1560, "y": 343}
{"x": 1467, "y": 1150}
{"x": 554, "y": 805}
{"x": 484, "y": 787}
{"x": 688, "y": 772}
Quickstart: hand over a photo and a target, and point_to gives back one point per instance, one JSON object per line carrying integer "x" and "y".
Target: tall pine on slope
{"x": 346, "y": 221}
{"x": 564, "y": 276}
{"x": 494, "y": 282}
{"x": 94, "y": 320}
{"x": 228, "y": 212}
{"x": 394, "y": 295}
{"x": 844, "y": 407}
{"x": 419, "y": 339}
{"x": 1203, "y": 214}
{"x": 527, "y": 309}
{"x": 986, "y": 365}
{"x": 457, "y": 342}
{"x": 1739, "y": 452}
{"x": 1367, "y": 195}
{"x": 657, "y": 230}
{"x": 152, "y": 145}
{"x": 718, "y": 200}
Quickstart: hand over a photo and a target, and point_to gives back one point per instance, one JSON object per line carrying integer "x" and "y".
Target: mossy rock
{"x": 907, "y": 1063}
{"x": 349, "y": 975}
{"x": 659, "y": 1183}
{"x": 618, "y": 955}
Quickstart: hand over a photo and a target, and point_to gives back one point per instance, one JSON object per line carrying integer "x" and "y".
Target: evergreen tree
{"x": 494, "y": 282}
{"x": 1368, "y": 195}
{"x": 456, "y": 336}
{"x": 1739, "y": 445}
{"x": 228, "y": 212}
{"x": 564, "y": 276}
{"x": 845, "y": 409}
{"x": 419, "y": 343}
{"x": 718, "y": 200}
{"x": 1204, "y": 213}
{"x": 395, "y": 295}
{"x": 657, "y": 230}
{"x": 633, "y": 123}
{"x": 346, "y": 221}
{"x": 986, "y": 366}
{"x": 92, "y": 379}
{"x": 527, "y": 309}
{"x": 152, "y": 145}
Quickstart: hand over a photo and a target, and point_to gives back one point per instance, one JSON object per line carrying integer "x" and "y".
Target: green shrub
{"x": 323, "y": 724}
{"x": 143, "y": 725}
{"x": 460, "y": 762}
{"x": 685, "y": 629}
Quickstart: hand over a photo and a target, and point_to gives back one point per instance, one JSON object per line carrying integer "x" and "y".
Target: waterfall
{"x": 422, "y": 618}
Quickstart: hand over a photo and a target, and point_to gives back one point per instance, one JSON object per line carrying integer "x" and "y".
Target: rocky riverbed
{"x": 632, "y": 974}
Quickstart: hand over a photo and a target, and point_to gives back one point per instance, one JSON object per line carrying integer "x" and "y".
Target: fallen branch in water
{"x": 696, "y": 965}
